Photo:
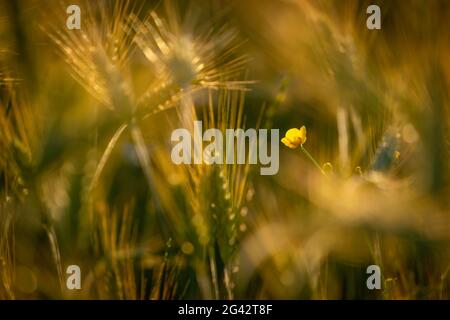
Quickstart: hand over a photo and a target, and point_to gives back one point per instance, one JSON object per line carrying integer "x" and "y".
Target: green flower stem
{"x": 312, "y": 159}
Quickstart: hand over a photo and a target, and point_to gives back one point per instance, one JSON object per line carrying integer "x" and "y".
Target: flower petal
{"x": 302, "y": 134}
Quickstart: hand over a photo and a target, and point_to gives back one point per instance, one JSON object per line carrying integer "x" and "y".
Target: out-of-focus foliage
{"x": 86, "y": 176}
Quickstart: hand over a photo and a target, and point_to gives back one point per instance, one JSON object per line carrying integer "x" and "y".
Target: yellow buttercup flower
{"x": 294, "y": 137}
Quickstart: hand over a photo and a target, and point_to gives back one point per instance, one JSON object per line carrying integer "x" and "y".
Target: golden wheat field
{"x": 360, "y": 170}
